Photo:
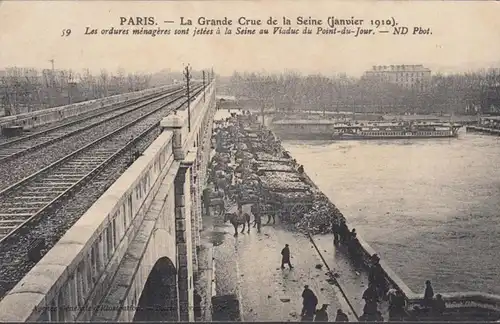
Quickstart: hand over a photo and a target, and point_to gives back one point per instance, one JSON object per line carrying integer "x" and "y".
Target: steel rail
{"x": 60, "y": 193}
{"x": 39, "y": 135}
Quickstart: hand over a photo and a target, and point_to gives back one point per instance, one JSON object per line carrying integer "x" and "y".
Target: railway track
{"x": 16, "y": 169}
{"x": 25, "y": 144}
{"x": 24, "y": 201}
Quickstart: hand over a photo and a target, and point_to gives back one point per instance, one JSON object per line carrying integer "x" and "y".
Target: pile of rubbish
{"x": 293, "y": 196}
{"x": 320, "y": 217}
{"x": 273, "y": 166}
{"x": 266, "y": 157}
{"x": 283, "y": 182}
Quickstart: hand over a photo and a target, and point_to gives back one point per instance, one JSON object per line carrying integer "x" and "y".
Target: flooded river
{"x": 431, "y": 208}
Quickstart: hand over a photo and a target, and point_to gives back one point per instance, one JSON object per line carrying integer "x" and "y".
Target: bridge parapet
{"x": 75, "y": 276}
{"x": 50, "y": 115}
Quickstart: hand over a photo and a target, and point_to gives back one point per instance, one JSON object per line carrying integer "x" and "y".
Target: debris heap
{"x": 267, "y": 173}
{"x": 320, "y": 217}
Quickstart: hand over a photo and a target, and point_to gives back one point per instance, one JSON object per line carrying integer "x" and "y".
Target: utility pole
{"x": 187, "y": 75}
{"x": 203, "y": 85}
{"x": 51, "y": 84}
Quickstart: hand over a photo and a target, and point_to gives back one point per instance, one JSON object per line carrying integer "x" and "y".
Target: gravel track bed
{"x": 72, "y": 128}
{"x": 14, "y": 264}
{"x": 41, "y": 128}
{"x": 17, "y": 169}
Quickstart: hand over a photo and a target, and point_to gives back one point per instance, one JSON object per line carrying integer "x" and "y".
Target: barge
{"x": 334, "y": 130}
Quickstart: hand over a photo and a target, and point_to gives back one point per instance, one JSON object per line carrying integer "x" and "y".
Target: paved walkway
{"x": 352, "y": 278}
{"x": 249, "y": 266}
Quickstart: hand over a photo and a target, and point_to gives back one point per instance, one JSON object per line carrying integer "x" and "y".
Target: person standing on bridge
{"x": 285, "y": 257}
{"x": 343, "y": 232}
{"x": 257, "y": 218}
{"x": 207, "y": 192}
{"x": 428, "y": 294}
{"x": 309, "y": 303}
{"x": 376, "y": 276}
{"x": 321, "y": 315}
{"x": 335, "y": 231}
{"x": 341, "y": 316}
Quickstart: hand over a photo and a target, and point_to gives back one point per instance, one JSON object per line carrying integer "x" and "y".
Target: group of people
{"x": 310, "y": 313}
{"x": 378, "y": 290}
{"x": 430, "y": 305}
{"x": 342, "y": 235}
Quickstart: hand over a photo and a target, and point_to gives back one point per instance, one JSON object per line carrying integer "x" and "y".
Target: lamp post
{"x": 187, "y": 75}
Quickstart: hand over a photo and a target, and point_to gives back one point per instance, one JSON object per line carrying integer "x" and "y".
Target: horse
{"x": 237, "y": 219}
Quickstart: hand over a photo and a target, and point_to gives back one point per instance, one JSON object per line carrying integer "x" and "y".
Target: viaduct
{"x": 134, "y": 253}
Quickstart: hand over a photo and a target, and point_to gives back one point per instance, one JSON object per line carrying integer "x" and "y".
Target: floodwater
{"x": 430, "y": 208}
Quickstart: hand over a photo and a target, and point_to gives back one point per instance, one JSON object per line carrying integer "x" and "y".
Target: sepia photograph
{"x": 249, "y": 161}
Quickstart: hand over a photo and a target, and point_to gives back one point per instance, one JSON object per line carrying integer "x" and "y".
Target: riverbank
{"x": 326, "y": 211}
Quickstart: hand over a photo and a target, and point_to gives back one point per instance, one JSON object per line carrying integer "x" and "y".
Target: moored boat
{"x": 394, "y": 130}
{"x": 362, "y": 130}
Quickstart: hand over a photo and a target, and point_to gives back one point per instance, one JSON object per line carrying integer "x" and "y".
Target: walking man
{"x": 309, "y": 302}
{"x": 285, "y": 257}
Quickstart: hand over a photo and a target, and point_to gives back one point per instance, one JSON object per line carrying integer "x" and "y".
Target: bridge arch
{"x": 158, "y": 301}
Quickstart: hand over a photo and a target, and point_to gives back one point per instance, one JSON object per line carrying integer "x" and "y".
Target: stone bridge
{"x": 133, "y": 255}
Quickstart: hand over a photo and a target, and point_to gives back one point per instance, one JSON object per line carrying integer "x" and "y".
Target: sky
{"x": 465, "y": 36}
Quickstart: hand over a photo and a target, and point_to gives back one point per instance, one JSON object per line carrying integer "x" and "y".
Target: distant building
{"x": 494, "y": 71}
{"x": 413, "y": 77}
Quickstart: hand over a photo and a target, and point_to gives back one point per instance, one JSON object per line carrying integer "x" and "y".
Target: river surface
{"x": 430, "y": 208}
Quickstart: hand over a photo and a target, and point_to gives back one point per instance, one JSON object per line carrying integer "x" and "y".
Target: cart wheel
{"x": 297, "y": 211}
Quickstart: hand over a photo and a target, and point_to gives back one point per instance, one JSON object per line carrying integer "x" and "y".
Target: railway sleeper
{"x": 75, "y": 171}
{"x": 34, "y": 250}
{"x": 11, "y": 150}
{"x": 58, "y": 185}
{"x": 46, "y": 190}
{"x": 35, "y": 195}
{"x": 26, "y": 209}
{"x": 22, "y": 203}
{"x": 53, "y": 185}
{"x": 66, "y": 176}
{"x": 87, "y": 160}
{"x": 27, "y": 215}
{"x": 80, "y": 163}
{"x": 11, "y": 222}
{"x": 55, "y": 178}
{"x": 6, "y": 229}
{"x": 95, "y": 161}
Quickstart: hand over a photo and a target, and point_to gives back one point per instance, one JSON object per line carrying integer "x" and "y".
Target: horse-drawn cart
{"x": 291, "y": 206}
{"x": 288, "y": 200}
